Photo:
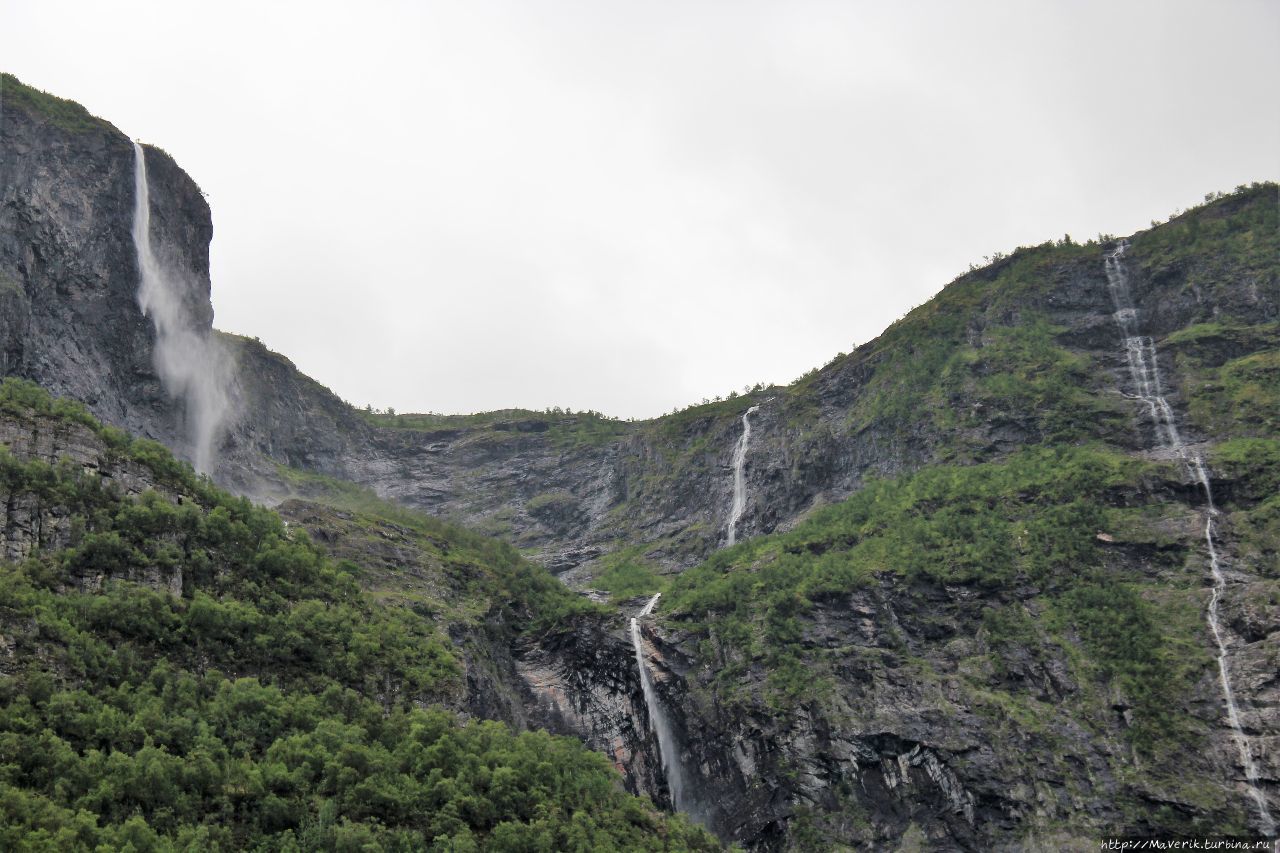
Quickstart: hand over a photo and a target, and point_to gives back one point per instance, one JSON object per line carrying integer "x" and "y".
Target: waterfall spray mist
{"x": 1144, "y": 373}
{"x": 191, "y": 364}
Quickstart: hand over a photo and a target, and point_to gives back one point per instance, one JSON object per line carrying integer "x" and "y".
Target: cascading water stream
{"x": 739, "y": 477}
{"x": 668, "y": 753}
{"x": 189, "y": 362}
{"x": 1144, "y": 372}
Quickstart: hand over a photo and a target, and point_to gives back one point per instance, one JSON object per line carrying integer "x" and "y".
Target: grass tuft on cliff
{"x": 66, "y": 114}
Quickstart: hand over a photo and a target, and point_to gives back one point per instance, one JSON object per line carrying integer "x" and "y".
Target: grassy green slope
{"x": 984, "y": 348}
{"x": 66, "y": 114}
{"x": 271, "y": 705}
{"x": 1031, "y": 521}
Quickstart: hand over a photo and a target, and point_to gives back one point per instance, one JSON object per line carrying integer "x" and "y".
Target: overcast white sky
{"x": 630, "y": 206}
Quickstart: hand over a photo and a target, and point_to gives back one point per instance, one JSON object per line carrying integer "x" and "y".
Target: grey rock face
{"x": 904, "y": 744}
{"x": 586, "y": 684}
{"x": 69, "y": 317}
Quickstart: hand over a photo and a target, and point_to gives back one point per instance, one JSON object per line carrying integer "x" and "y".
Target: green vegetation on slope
{"x": 1231, "y": 375}
{"x": 67, "y": 115}
{"x": 478, "y": 574}
{"x": 271, "y": 705}
{"x": 1021, "y": 374}
{"x": 1031, "y": 521}
{"x": 979, "y": 350}
{"x": 1247, "y": 475}
{"x": 973, "y": 373}
{"x": 22, "y": 401}
{"x": 562, "y": 428}
{"x": 626, "y": 573}
{"x": 976, "y": 355}
{"x": 1233, "y": 237}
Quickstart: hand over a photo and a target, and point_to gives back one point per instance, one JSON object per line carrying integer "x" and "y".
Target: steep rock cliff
{"x": 575, "y": 488}
{"x": 69, "y": 315}
{"x": 965, "y": 693}
{"x": 575, "y": 675}
{"x": 1022, "y": 352}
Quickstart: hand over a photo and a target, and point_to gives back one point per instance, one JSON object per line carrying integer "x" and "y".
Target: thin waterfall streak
{"x": 739, "y": 478}
{"x": 1144, "y": 372}
{"x": 1224, "y": 669}
{"x": 658, "y": 723}
{"x": 190, "y": 363}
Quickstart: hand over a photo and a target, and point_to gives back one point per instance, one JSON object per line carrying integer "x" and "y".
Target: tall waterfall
{"x": 739, "y": 477}
{"x": 669, "y": 754}
{"x": 1144, "y": 373}
{"x": 189, "y": 361}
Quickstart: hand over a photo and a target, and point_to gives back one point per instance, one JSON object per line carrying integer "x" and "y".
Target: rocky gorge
{"x": 964, "y": 607}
